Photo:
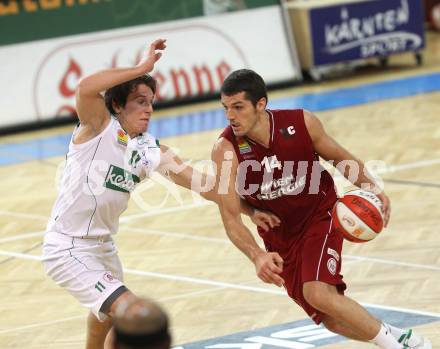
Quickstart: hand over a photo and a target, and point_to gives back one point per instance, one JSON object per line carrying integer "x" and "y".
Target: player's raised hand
{"x": 265, "y": 219}
{"x": 153, "y": 54}
{"x": 268, "y": 266}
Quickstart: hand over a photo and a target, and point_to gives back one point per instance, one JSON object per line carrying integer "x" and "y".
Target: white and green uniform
{"x": 99, "y": 175}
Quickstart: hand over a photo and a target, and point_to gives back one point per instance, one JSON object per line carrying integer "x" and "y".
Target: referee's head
{"x": 140, "y": 323}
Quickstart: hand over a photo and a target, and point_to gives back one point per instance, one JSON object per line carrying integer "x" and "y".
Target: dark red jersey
{"x": 285, "y": 178}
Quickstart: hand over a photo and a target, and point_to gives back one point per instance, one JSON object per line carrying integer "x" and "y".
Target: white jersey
{"x": 97, "y": 181}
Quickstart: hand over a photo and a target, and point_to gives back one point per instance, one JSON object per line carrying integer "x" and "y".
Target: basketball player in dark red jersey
{"x": 271, "y": 159}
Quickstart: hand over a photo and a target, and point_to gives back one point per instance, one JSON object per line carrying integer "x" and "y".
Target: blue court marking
{"x": 42, "y": 148}
{"x": 369, "y": 93}
{"x": 303, "y": 334}
{"x": 32, "y": 150}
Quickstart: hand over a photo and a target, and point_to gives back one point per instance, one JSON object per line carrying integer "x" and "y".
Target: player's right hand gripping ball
{"x": 358, "y": 216}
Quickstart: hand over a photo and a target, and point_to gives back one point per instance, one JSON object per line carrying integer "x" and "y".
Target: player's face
{"x": 136, "y": 113}
{"x": 241, "y": 113}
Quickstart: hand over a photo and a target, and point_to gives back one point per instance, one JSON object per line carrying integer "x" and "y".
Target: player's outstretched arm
{"x": 89, "y": 102}
{"x": 174, "y": 169}
{"x": 330, "y": 150}
{"x": 268, "y": 265}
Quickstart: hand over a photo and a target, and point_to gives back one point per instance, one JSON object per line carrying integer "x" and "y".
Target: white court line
{"x": 22, "y": 236}
{"x": 403, "y": 264}
{"x": 162, "y": 276}
{"x": 359, "y": 258}
{"x": 411, "y": 311}
{"x": 410, "y": 165}
{"x": 176, "y": 235}
{"x": 202, "y": 281}
{"x": 53, "y": 322}
{"x": 189, "y": 294}
{"x": 225, "y": 285}
{"x": 129, "y": 218}
{"x": 40, "y": 324}
{"x": 226, "y": 241}
{"x": 20, "y": 255}
{"x": 214, "y": 240}
{"x": 189, "y": 279}
{"x": 24, "y": 215}
{"x": 121, "y": 220}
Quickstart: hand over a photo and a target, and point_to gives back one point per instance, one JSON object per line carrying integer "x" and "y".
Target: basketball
{"x": 358, "y": 216}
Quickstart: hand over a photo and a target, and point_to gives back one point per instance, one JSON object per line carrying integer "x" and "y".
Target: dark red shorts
{"x": 316, "y": 255}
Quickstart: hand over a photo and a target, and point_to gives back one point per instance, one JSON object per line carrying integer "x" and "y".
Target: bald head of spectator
{"x": 140, "y": 323}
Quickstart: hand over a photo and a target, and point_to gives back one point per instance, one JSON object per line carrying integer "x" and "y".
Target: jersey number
{"x": 271, "y": 163}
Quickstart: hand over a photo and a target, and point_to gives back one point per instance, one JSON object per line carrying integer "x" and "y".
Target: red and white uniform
{"x": 287, "y": 180}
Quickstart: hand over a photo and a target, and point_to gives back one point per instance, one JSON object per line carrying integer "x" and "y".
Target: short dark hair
{"x": 119, "y": 93}
{"x": 248, "y": 81}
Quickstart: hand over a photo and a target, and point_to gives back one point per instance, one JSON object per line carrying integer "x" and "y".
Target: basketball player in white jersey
{"x": 109, "y": 153}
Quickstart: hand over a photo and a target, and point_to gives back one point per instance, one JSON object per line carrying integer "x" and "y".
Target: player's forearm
{"x": 104, "y": 79}
{"x": 242, "y": 238}
{"x": 213, "y": 195}
{"x": 357, "y": 173}
{"x": 201, "y": 183}
{"x": 173, "y": 168}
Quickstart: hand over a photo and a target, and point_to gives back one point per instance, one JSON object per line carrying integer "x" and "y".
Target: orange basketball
{"x": 358, "y": 216}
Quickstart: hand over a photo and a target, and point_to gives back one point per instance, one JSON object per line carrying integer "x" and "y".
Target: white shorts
{"x": 88, "y": 268}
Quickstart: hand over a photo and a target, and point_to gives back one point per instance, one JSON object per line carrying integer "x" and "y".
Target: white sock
{"x": 385, "y": 340}
{"x": 395, "y": 331}
{"x": 413, "y": 340}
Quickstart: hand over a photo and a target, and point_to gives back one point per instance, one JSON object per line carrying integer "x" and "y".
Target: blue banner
{"x": 361, "y": 30}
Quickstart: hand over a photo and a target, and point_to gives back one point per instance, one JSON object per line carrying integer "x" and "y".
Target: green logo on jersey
{"x": 121, "y": 180}
{"x": 135, "y": 158}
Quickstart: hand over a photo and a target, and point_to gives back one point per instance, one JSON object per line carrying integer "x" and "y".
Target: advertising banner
{"x": 39, "y": 78}
{"x": 29, "y": 20}
{"x": 366, "y": 29}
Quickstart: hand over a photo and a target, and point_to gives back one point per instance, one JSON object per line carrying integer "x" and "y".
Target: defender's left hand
{"x": 265, "y": 219}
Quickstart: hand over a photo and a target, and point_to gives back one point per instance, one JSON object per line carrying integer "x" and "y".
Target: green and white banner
{"x": 30, "y": 20}
{"x": 39, "y": 78}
